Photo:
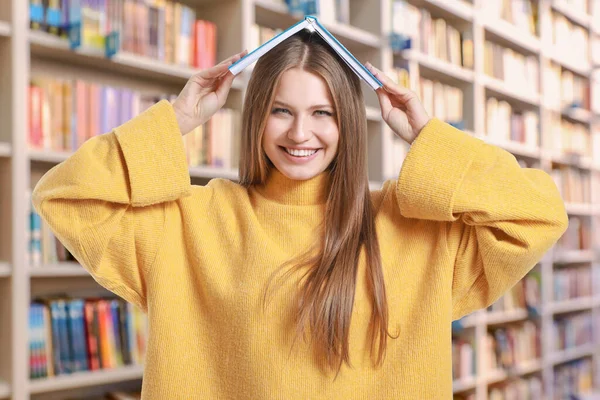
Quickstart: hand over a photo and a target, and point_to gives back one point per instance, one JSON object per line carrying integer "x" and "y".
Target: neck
{"x": 284, "y": 190}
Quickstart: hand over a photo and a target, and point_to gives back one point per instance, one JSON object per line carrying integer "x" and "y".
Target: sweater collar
{"x": 284, "y": 190}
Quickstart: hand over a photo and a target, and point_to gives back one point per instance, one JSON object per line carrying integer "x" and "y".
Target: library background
{"x": 517, "y": 73}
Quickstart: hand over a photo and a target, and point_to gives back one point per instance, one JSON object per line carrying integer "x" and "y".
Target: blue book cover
{"x": 312, "y": 24}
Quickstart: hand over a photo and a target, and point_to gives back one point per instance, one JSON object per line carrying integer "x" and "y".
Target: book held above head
{"x": 311, "y": 24}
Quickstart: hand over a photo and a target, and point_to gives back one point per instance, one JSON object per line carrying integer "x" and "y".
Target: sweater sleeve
{"x": 500, "y": 218}
{"x": 105, "y": 203}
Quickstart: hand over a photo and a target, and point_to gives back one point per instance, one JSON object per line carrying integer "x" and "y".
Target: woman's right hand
{"x": 204, "y": 94}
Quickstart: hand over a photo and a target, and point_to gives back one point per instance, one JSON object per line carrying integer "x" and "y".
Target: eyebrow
{"x": 289, "y": 106}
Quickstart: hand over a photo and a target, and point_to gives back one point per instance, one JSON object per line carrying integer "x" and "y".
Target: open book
{"x": 311, "y": 23}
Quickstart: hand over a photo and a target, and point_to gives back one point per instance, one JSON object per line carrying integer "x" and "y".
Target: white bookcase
{"x": 24, "y": 53}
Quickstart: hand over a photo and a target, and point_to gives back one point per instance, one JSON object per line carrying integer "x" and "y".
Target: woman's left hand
{"x": 400, "y": 107}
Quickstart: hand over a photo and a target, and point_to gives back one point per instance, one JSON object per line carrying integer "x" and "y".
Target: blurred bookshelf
{"x": 519, "y": 74}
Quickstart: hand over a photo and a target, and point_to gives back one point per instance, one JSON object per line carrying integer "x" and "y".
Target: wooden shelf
{"x": 5, "y": 149}
{"x": 48, "y": 156}
{"x": 437, "y": 68}
{"x": 575, "y": 66}
{"x": 506, "y": 33}
{"x": 500, "y": 375}
{"x": 64, "y": 269}
{"x": 579, "y": 209}
{"x": 516, "y": 148}
{"x": 213, "y": 172}
{"x": 463, "y": 385}
{"x": 84, "y": 379}
{"x": 5, "y": 29}
{"x": 499, "y": 88}
{"x": 4, "y": 390}
{"x": 574, "y": 256}
{"x": 53, "y": 47}
{"x": 5, "y": 269}
{"x": 455, "y": 9}
{"x": 373, "y": 114}
{"x": 570, "y": 13}
{"x": 504, "y": 317}
{"x": 571, "y": 305}
{"x": 563, "y": 356}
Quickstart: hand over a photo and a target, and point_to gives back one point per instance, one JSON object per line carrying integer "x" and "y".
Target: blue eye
{"x": 280, "y": 110}
{"x": 323, "y": 112}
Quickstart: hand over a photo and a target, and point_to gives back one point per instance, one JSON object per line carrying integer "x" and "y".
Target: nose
{"x": 299, "y": 131}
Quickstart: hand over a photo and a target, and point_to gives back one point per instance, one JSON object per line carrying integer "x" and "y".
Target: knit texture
{"x": 461, "y": 225}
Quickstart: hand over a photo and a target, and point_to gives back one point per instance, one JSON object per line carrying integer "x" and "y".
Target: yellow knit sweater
{"x": 461, "y": 225}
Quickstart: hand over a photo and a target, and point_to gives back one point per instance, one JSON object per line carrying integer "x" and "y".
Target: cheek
{"x": 331, "y": 136}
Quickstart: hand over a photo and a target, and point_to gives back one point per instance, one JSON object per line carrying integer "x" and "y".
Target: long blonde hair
{"x": 326, "y": 297}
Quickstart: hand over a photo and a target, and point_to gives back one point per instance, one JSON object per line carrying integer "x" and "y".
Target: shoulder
{"x": 221, "y": 190}
{"x": 386, "y": 194}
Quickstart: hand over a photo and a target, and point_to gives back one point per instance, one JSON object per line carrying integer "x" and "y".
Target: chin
{"x": 299, "y": 173}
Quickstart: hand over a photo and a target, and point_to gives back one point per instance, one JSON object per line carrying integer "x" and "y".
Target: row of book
{"x": 512, "y": 346}
{"x": 333, "y": 11}
{"x": 68, "y": 335}
{"x": 63, "y": 114}
{"x": 572, "y": 283}
{"x": 525, "y": 294}
{"x": 66, "y": 113}
{"x": 507, "y": 124}
{"x": 164, "y": 30}
{"x": 43, "y": 246}
{"x": 217, "y": 142}
{"x": 522, "y": 14}
{"x": 564, "y": 90}
{"x": 433, "y": 36}
{"x": 442, "y": 100}
{"x": 463, "y": 359}
{"x": 260, "y": 34}
{"x": 523, "y": 388}
{"x": 519, "y": 73}
{"x": 567, "y": 137}
{"x": 570, "y": 331}
{"x": 577, "y": 236}
{"x": 570, "y": 40}
{"x": 574, "y": 379}
{"x": 573, "y": 184}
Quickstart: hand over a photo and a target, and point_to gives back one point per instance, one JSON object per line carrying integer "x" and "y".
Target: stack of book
{"x": 519, "y": 72}
{"x": 164, "y": 30}
{"x": 573, "y": 330}
{"x": 68, "y": 335}
{"x": 570, "y": 40}
{"x": 507, "y": 124}
{"x": 577, "y": 236}
{"x": 574, "y": 377}
{"x": 520, "y": 388}
{"x": 66, "y": 113}
{"x": 522, "y": 14}
{"x": 572, "y": 283}
{"x": 442, "y": 100}
{"x": 573, "y": 183}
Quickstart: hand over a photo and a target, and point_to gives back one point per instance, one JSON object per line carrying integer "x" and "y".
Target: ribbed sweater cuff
{"x": 433, "y": 170}
{"x": 155, "y": 156}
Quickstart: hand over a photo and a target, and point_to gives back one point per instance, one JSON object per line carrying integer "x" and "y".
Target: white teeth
{"x": 300, "y": 153}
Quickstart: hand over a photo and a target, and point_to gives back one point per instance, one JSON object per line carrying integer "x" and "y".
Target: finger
{"x": 234, "y": 58}
{"x": 224, "y": 87}
{"x": 221, "y": 68}
{"x": 384, "y": 102}
{"x": 388, "y": 83}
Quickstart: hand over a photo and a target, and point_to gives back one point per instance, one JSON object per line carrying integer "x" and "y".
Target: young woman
{"x": 297, "y": 282}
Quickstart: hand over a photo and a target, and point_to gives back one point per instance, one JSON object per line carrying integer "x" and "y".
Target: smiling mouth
{"x": 300, "y": 153}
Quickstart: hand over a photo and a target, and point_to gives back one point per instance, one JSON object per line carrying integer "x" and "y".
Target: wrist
{"x": 183, "y": 121}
